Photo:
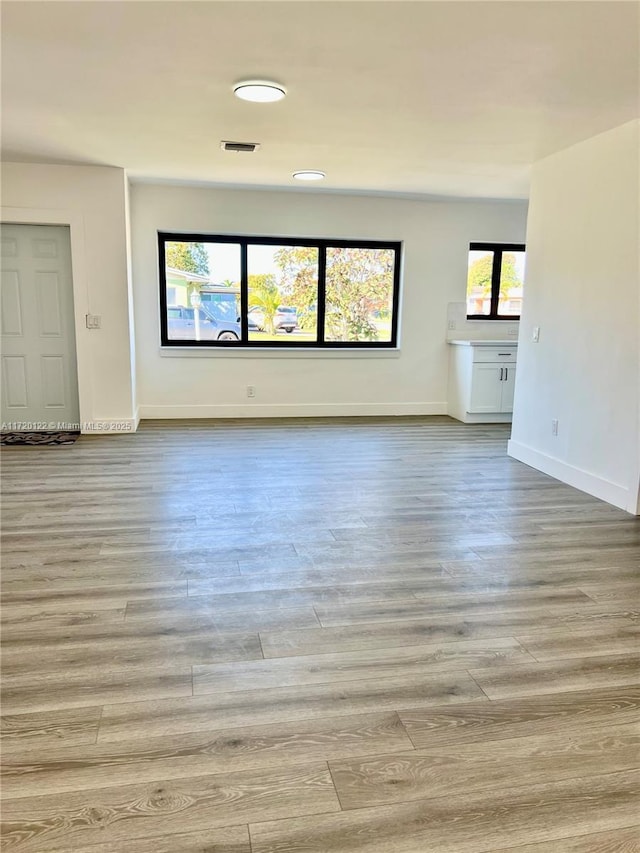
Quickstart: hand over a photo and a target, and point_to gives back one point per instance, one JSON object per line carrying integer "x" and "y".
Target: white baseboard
{"x": 291, "y": 410}
{"x": 578, "y": 478}
{"x": 496, "y": 418}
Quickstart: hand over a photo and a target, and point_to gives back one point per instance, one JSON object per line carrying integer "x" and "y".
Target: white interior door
{"x": 39, "y": 372}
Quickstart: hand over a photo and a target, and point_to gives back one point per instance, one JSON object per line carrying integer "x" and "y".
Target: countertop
{"x": 509, "y": 343}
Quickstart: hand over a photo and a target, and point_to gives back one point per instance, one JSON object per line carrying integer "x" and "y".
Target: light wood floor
{"x": 315, "y": 637}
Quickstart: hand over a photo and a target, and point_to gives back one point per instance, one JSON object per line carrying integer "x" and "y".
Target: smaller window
{"x": 495, "y": 281}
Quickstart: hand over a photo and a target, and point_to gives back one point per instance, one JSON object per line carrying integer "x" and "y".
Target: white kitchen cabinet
{"x": 492, "y": 387}
{"x": 482, "y": 380}
{"x": 508, "y": 388}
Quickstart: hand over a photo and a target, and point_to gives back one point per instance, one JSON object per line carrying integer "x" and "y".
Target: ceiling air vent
{"x": 248, "y": 147}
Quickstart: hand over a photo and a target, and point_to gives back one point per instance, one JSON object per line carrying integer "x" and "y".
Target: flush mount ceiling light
{"x": 261, "y": 91}
{"x": 309, "y": 175}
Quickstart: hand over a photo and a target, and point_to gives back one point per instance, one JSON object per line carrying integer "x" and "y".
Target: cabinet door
{"x": 486, "y": 388}
{"x": 508, "y": 387}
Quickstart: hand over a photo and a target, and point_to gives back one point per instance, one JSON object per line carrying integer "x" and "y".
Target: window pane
{"x": 359, "y": 294}
{"x": 511, "y": 283}
{"x": 205, "y": 275}
{"x": 479, "y": 282}
{"x": 283, "y": 293}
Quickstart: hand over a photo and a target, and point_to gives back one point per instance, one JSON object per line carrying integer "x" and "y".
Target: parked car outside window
{"x": 285, "y": 318}
{"x": 181, "y": 325}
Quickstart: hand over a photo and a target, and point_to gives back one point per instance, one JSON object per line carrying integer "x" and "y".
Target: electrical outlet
{"x": 251, "y": 390}
{"x": 554, "y": 427}
{"x": 93, "y": 321}
{"x": 535, "y": 337}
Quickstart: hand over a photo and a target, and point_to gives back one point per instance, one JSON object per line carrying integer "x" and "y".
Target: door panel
{"x": 508, "y": 389}
{"x": 8, "y": 247}
{"x": 11, "y": 304}
{"x": 486, "y": 389}
{"x": 49, "y": 300}
{"x": 53, "y": 381}
{"x": 14, "y": 384}
{"x": 40, "y": 388}
{"x": 44, "y": 248}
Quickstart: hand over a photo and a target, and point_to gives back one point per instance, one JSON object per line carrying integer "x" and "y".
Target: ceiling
{"x": 438, "y": 98}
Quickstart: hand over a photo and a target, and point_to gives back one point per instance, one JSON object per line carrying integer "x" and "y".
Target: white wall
{"x": 583, "y": 292}
{"x": 92, "y": 200}
{"x": 436, "y": 236}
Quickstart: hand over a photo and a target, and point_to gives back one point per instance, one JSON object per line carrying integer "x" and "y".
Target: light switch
{"x": 536, "y": 334}
{"x": 93, "y": 321}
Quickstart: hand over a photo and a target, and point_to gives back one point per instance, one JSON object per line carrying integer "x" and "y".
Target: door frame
{"x": 75, "y": 222}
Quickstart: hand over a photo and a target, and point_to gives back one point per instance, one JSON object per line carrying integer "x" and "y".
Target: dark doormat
{"x": 38, "y": 438}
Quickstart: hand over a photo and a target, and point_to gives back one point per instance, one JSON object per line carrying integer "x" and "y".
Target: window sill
{"x": 275, "y": 352}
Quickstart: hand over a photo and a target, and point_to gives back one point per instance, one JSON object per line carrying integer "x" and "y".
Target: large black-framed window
{"x": 226, "y": 290}
{"x": 495, "y": 281}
